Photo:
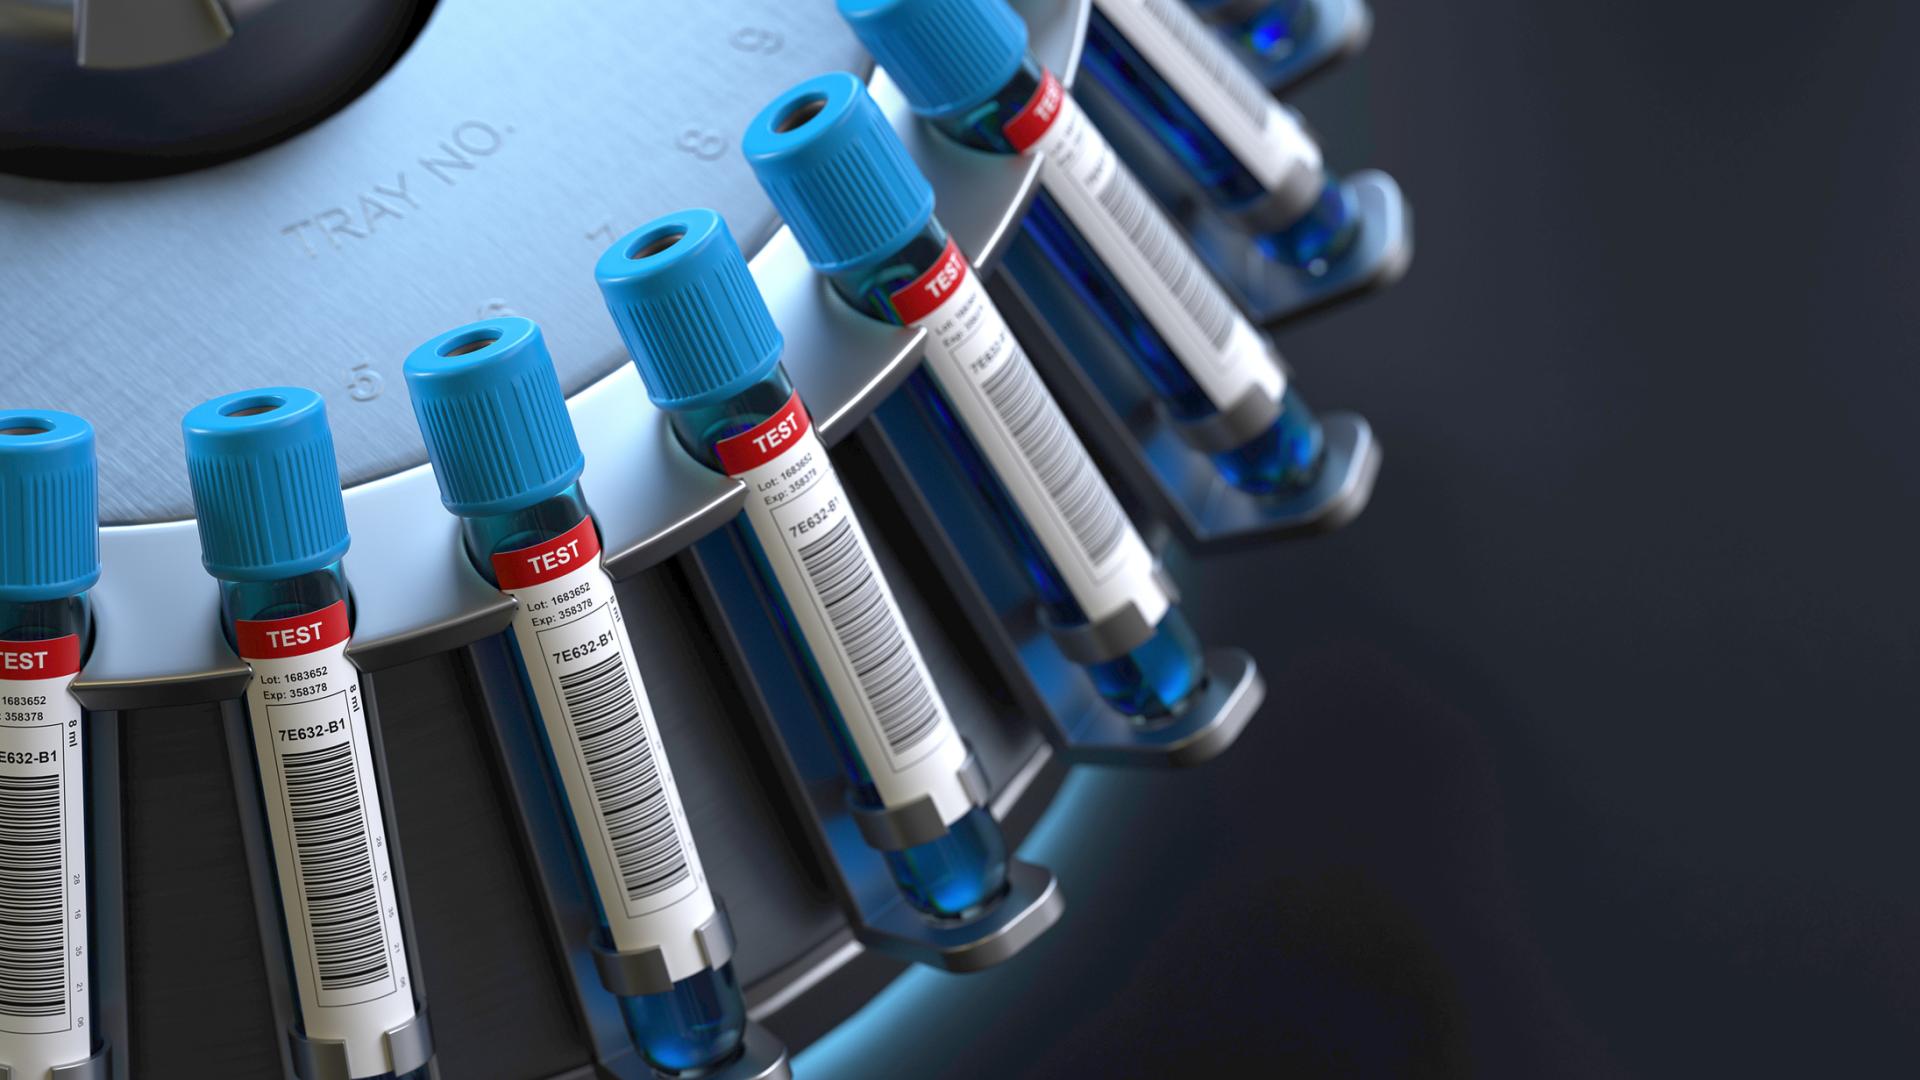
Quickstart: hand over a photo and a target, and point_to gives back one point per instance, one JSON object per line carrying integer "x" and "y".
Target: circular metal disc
{"x": 482, "y": 175}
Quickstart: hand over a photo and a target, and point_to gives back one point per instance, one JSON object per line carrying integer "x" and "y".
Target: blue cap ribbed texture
{"x": 266, "y": 487}
{"x": 946, "y": 55}
{"x": 493, "y": 416}
{"x": 840, "y": 177}
{"x": 686, "y": 306}
{"x": 49, "y": 506}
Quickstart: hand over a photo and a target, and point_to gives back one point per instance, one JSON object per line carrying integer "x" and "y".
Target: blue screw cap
{"x": 837, "y": 173}
{"x": 49, "y": 506}
{"x": 493, "y": 416}
{"x": 686, "y": 306}
{"x": 265, "y": 484}
{"x": 946, "y": 55}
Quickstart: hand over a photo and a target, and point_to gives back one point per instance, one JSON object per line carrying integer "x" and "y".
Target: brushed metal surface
{"x": 159, "y": 642}
{"x": 414, "y": 593}
{"x": 484, "y": 173}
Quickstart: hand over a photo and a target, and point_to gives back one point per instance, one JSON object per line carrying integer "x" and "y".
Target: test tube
{"x": 1252, "y": 156}
{"x": 273, "y": 529}
{"x": 708, "y": 350}
{"x": 864, "y": 215}
{"x": 963, "y": 65}
{"x": 49, "y": 558}
{"x": 504, "y": 454}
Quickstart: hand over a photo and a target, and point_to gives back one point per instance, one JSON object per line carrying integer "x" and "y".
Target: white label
{"x": 1265, "y": 137}
{"x": 329, "y": 841}
{"x": 846, "y": 613}
{"x": 626, "y": 809}
{"x": 1214, "y": 342}
{"x": 1038, "y": 458}
{"x": 44, "y": 1020}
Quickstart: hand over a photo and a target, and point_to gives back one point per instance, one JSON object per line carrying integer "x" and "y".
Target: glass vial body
{"x": 338, "y": 906}
{"x": 700, "y": 1023}
{"x": 1155, "y": 679}
{"x": 1272, "y": 30}
{"x": 1284, "y": 458}
{"x": 955, "y": 877}
{"x": 46, "y": 1018}
{"x": 1308, "y": 238}
{"x": 1267, "y": 464}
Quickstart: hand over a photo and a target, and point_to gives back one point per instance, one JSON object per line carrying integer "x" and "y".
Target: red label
{"x": 766, "y": 440}
{"x": 928, "y": 291}
{"x": 1039, "y": 113}
{"x": 558, "y": 557}
{"x": 275, "y": 639}
{"x": 49, "y": 659}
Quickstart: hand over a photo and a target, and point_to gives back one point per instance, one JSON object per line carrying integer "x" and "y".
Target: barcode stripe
{"x": 1076, "y": 488}
{"x": 335, "y": 859}
{"x": 33, "y": 942}
{"x": 863, "y": 621}
{"x": 625, "y": 774}
{"x": 1172, "y": 261}
{"x": 1212, "y": 55}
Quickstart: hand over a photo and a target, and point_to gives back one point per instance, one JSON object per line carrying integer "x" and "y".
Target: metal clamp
{"x": 1031, "y": 904}
{"x": 644, "y": 971}
{"x": 409, "y": 1046}
{"x": 97, "y": 1067}
{"x": 1287, "y": 202}
{"x": 1232, "y": 426}
{"x": 897, "y": 828}
{"x": 1112, "y": 635}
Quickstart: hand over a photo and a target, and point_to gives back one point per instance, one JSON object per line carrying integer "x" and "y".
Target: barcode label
{"x": 330, "y": 850}
{"x": 334, "y": 856}
{"x": 626, "y": 778}
{"x": 1172, "y": 261}
{"x": 33, "y": 896}
{"x": 1028, "y": 444}
{"x": 845, "y": 613}
{"x": 1219, "y": 66}
{"x": 843, "y": 578}
{"x": 1141, "y": 253}
{"x": 1075, "y": 487}
{"x": 1199, "y": 67}
{"x": 606, "y": 747}
{"x": 44, "y": 1011}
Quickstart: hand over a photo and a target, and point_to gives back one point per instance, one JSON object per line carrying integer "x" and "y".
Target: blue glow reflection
{"x": 903, "y": 1019}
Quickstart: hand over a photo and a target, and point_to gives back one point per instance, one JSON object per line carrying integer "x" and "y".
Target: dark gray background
{"x": 1589, "y": 748}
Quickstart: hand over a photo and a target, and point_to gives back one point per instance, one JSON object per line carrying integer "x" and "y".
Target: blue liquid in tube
{"x": 496, "y": 426}
{"x": 841, "y": 179}
{"x": 1310, "y": 238}
{"x": 272, "y": 525}
{"x": 707, "y": 349}
{"x": 992, "y": 95}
